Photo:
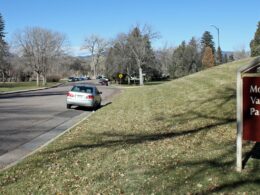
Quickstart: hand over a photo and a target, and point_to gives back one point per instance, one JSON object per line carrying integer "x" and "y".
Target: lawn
{"x": 173, "y": 138}
{"x": 16, "y": 86}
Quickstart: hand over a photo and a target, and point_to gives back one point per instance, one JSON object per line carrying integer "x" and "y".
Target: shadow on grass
{"x": 114, "y": 140}
{"x": 133, "y": 139}
{"x": 90, "y": 109}
{"x": 233, "y": 185}
{"x": 194, "y": 172}
{"x": 254, "y": 153}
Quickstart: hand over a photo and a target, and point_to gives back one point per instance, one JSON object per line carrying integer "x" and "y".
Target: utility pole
{"x": 218, "y": 33}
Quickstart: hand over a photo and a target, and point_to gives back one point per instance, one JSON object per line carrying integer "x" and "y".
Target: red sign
{"x": 251, "y": 108}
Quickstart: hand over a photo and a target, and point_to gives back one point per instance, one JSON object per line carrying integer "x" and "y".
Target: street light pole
{"x": 218, "y": 33}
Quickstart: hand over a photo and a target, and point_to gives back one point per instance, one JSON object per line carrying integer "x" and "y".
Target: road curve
{"x": 30, "y": 119}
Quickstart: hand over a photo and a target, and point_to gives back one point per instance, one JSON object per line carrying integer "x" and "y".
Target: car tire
{"x": 96, "y": 106}
{"x": 68, "y": 106}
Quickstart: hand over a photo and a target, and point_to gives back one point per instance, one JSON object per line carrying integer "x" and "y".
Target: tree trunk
{"x": 141, "y": 79}
{"x": 3, "y": 76}
{"x": 128, "y": 76}
{"x": 37, "y": 79}
{"x": 44, "y": 80}
{"x": 94, "y": 67}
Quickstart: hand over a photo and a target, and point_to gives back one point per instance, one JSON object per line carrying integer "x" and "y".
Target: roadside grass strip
{"x": 17, "y": 86}
{"x": 173, "y": 138}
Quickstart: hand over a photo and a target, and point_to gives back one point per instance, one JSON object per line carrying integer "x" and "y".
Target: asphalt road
{"x": 28, "y": 115}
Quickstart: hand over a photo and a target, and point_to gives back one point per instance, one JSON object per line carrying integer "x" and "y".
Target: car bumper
{"x": 77, "y": 103}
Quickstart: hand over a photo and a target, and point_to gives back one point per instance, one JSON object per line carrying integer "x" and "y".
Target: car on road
{"x": 71, "y": 79}
{"x": 103, "y": 81}
{"x": 84, "y": 95}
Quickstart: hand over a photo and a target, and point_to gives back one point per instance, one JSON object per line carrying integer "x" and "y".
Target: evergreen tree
{"x": 186, "y": 59}
{"x": 231, "y": 58}
{"x": 150, "y": 67}
{"x": 225, "y": 60}
{"x": 219, "y": 56}
{"x": 207, "y": 41}
{"x": 2, "y": 27}
{"x": 3, "y": 51}
{"x": 255, "y": 43}
{"x": 208, "y": 58}
{"x": 177, "y": 68}
{"x": 2, "y": 35}
{"x": 195, "y": 60}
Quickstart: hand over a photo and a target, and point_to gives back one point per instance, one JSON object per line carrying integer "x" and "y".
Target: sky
{"x": 174, "y": 20}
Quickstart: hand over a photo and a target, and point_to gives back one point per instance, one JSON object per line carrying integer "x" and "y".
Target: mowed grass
{"x": 16, "y": 86}
{"x": 174, "y": 138}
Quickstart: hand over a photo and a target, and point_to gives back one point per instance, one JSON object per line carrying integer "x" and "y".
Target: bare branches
{"x": 96, "y": 46}
{"x": 139, "y": 45}
{"x": 40, "y": 47}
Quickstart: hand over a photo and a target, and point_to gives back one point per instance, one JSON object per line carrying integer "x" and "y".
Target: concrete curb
{"x": 13, "y": 157}
{"x": 126, "y": 87}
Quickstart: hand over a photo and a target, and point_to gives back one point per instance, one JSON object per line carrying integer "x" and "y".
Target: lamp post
{"x": 218, "y": 33}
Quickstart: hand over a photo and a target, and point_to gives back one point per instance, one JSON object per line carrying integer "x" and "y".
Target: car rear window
{"x": 82, "y": 89}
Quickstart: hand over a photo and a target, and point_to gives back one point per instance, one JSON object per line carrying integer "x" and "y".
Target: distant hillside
{"x": 89, "y": 56}
{"x": 83, "y": 57}
{"x": 227, "y": 52}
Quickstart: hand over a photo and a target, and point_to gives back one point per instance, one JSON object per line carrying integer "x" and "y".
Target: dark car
{"x": 103, "y": 81}
{"x": 71, "y": 79}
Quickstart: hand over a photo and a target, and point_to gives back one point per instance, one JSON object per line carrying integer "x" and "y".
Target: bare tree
{"x": 138, "y": 41}
{"x": 40, "y": 47}
{"x": 122, "y": 50}
{"x": 96, "y": 46}
{"x": 165, "y": 58}
{"x": 240, "y": 53}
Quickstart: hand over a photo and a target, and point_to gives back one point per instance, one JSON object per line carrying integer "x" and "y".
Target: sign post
{"x": 248, "y": 107}
{"x": 239, "y": 122}
{"x": 120, "y": 77}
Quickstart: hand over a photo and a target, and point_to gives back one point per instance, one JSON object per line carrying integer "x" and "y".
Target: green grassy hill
{"x": 177, "y": 137}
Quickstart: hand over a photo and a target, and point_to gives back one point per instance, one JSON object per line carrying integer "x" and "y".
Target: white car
{"x": 84, "y": 95}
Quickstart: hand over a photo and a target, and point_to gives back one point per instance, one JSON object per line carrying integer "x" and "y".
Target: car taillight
{"x": 69, "y": 94}
{"x": 90, "y": 97}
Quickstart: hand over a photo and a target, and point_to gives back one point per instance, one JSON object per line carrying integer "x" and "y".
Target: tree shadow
{"x": 254, "y": 153}
{"x": 90, "y": 109}
{"x": 115, "y": 139}
{"x": 232, "y": 185}
{"x": 109, "y": 139}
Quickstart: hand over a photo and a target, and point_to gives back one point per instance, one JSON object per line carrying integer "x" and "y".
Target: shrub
{"x": 53, "y": 78}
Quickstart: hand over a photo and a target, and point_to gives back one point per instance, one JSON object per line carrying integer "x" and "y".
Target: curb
{"x": 17, "y": 155}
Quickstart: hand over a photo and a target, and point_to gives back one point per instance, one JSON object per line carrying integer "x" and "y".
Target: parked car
{"x": 77, "y": 78}
{"x": 71, "y": 79}
{"x": 84, "y": 95}
{"x": 103, "y": 81}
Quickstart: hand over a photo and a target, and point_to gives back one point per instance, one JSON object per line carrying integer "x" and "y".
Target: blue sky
{"x": 175, "y": 20}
